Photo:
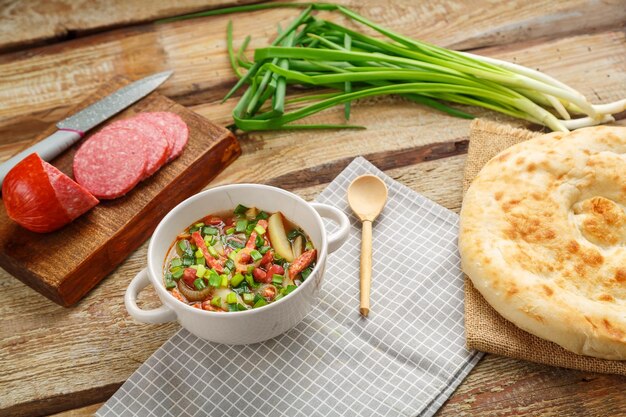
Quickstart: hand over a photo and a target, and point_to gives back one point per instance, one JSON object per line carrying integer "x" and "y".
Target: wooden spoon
{"x": 367, "y": 196}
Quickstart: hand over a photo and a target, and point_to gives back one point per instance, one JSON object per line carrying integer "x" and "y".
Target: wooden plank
{"x": 71, "y": 260}
{"x": 78, "y": 341}
{"x": 502, "y": 387}
{"x": 38, "y": 85}
{"x": 27, "y": 23}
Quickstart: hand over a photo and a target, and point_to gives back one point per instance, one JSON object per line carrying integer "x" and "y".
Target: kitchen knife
{"x": 74, "y": 127}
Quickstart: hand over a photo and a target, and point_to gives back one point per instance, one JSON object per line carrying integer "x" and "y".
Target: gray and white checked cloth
{"x": 405, "y": 359}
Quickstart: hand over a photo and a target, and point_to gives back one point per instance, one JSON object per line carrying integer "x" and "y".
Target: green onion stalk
{"x": 312, "y": 54}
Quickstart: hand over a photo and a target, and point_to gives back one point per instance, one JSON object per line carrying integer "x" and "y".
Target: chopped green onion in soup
{"x": 229, "y": 262}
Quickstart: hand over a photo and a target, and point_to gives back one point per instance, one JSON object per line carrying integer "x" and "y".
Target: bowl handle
{"x": 158, "y": 315}
{"x": 339, "y": 237}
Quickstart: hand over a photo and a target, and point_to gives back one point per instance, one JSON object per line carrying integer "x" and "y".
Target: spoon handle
{"x": 366, "y": 267}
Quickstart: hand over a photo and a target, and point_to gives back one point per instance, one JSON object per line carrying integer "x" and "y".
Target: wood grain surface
{"x": 27, "y": 23}
{"x": 54, "y": 359}
{"x": 71, "y": 260}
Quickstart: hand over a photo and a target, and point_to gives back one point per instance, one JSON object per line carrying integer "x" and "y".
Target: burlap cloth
{"x": 485, "y": 329}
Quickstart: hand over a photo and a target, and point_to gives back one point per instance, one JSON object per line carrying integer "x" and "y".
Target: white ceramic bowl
{"x": 241, "y": 327}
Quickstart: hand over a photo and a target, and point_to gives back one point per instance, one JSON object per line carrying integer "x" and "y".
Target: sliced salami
{"x": 111, "y": 162}
{"x": 176, "y": 130}
{"x": 157, "y": 147}
{"x": 74, "y": 199}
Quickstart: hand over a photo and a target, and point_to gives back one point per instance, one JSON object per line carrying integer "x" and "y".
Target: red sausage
{"x": 267, "y": 258}
{"x": 275, "y": 269}
{"x": 261, "y": 276}
{"x": 72, "y": 197}
{"x": 251, "y": 241}
{"x": 302, "y": 262}
{"x": 176, "y": 130}
{"x": 189, "y": 276}
{"x": 156, "y": 149}
{"x": 41, "y": 198}
{"x": 210, "y": 260}
{"x": 111, "y": 162}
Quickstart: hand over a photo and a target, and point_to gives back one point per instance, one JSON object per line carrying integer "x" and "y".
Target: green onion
{"x": 248, "y": 298}
{"x": 309, "y": 245}
{"x": 277, "y": 279}
{"x": 259, "y": 230}
{"x": 293, "y": 234}
{"x": 199, "y": 254}
{"x": 229, "y": 264}
{"x": 241, "y": 225}
{"x": 236, "y": 244}
{"x": 250, "y": 228}
{"x": 224, "y": 281}
{"x": 231, "y": 256}
{"x": 177, "y": 274}
{"x": 256, "y": 256}
{"x": 199, "y": 284}
{"x": 183, "y": 245}
{"x": 176, "y": 262}
{"x": 216, "y": 302}
{"x": 209, "y": 230}
{"x": 188, "y": 260}
{"x": 214, "y": 279}
{"x": 259, "y": 241}
{"x": 236, "y": 307}
{"x": 201, "y": 261}
{"x": 200, "y": 271}
{"x": 231, "y": 298}
{"x": 263, "y": 249}
{"x": 169, "y": 281}
{"x": 347, "y": 43}
{"x": 289, "y": 289}
{"x": 193, "y": 229}
{"x": 262, "y": 216}
{"x": 315, "y": 52}
{"x": 230, "y": 230}
{"x": 250, "y": 269}
{"x": 305, "y": 274}
{"x": 278, "y": 297}
{"x": 240, "y": 209}
{"x": 236, "y": 280}
{"x": 260, "y": 303}
{"x": 213, "y": 252}
{"x": 250, "y": 281}
{"x": 175, "y": 268}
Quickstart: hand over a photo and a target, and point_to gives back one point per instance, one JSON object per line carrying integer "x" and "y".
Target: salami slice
{"x": 74, "y": 199}
{"x": 176, "y": 130}
{"x": 156, "y": 147}
{"x": 29, "y": 198}
{"x": 111, "y": 162}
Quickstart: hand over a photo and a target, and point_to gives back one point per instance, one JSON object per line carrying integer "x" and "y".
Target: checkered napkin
{"x": 405, "y": 359}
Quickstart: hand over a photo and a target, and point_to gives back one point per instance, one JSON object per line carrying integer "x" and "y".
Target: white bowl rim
{"x": 160, "y": 287}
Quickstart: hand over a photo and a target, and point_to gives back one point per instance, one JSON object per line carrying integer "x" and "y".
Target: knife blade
{"x": 73, "y": 128}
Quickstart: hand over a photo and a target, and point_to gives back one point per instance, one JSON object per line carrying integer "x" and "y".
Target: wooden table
{"x": 54, "y": 359}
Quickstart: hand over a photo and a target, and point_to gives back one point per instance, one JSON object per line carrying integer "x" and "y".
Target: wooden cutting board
{"x": 64, "y": 265}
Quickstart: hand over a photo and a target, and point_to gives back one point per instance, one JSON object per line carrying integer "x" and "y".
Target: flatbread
{"x": 543, "y": 238}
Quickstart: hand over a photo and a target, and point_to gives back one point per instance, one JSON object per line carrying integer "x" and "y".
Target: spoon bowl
{"x": 367, "y": 196}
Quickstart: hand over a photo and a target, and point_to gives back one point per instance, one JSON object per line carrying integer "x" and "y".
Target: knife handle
{"x": 47, "y": 149}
